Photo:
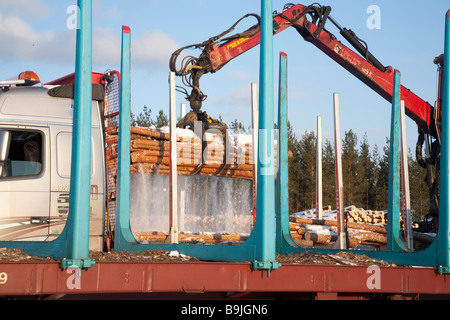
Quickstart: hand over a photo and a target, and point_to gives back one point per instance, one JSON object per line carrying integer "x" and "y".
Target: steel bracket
{"x": 80, "y": 263}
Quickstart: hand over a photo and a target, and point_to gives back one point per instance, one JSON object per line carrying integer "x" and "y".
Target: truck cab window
{"x": 25, "y": 154}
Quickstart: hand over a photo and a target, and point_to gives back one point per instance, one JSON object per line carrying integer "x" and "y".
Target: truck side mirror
{"x": 5, "y": 138}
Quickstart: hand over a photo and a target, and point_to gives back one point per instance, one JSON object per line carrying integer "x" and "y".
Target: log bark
{"x": 322, "y": 237}
{"x": 153, "y": 133}
{"x": 332, "y": 223}
{"x": 185, "y": 237}
{"x": 367, "y": 236}
{"x": 156, "y": 169}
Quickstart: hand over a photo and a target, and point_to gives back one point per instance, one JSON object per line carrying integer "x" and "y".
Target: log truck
{"x": 310, "y": 22}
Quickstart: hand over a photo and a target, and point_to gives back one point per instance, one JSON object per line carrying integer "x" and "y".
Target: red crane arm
{"x": 367, "y": 69}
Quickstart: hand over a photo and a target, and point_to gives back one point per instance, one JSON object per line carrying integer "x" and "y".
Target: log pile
{"x": 150, "y": 153}
{"x": 192, "y": 238}
{"x": 363, "y": 227}
{"x": 366, "y": 216}
{"x": 352, "y": 213}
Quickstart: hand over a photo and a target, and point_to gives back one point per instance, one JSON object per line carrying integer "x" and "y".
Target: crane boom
{"x": 218, "y": 51}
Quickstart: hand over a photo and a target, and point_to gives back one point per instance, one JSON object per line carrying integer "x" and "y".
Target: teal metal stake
{"x": 282, "y": 199}
{"x": 394, "y": 241}
{"x": 124, "y": 238}
{"x": 444, "y": 205}
{"x": 437, "y": 254}
{"x": 123, "y": 164}
{"x": 80, "y": 181}
{"x": 265, "y": 208}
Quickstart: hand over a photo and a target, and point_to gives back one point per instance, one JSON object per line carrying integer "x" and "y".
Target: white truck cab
{"x": 35, "y": 160}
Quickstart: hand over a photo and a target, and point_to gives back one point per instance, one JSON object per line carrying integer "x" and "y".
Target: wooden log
{"x": 367, "y": 236}
{"x": 149, "y": 132}
{"x": 322, "y": 237}
{"x": 138, "y": 157}
{"x": 112, "y": 130}
{"x": 182, "y": 153}
{"x": 186, "y": 237}
{"x": 295, "y": 235}
{"x": 359, "y": 226}
{"x": 150, "y": 236}
{"x": 153, "y": 169}
{"x": 111, "y": 139}
{"x": 206, "y": 169}
{"x": 150, "y": 144}
{"x": 353, "y": 243}
{"x": 301, "y": 231}
{"x": 293, "y": 226}
{"x": 300, "y": 240}
{"x": 147, "y": 144}
{"x": 304, "y": 243}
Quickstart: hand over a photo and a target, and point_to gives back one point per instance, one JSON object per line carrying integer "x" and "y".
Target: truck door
{"x": 25, "y": 184}
{"x": 61, "y": 137}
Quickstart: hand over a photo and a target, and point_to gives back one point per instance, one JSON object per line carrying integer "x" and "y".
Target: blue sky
{"x": 34, "y": 36}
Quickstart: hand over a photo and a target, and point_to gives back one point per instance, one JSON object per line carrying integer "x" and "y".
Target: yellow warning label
{"x": 237, "y": 42}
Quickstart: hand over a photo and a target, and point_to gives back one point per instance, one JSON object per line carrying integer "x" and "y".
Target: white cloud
{"x": 154, "y": 47}
{"x": 105, "y": 47}
{"x": 35, "y": 8}
{"x": 233, "y": 104}
{"x": 21, "y": 42}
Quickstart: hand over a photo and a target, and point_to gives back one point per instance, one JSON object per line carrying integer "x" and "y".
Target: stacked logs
{"x": 150, "y": 153}
{"x": 192, "y": 238}
{"x": 352, "y": 214}
{"x": 365, "y": 216}
{"x": 308, "y": 231}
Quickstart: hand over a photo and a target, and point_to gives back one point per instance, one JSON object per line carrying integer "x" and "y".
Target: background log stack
{"x": 363, "y": 226}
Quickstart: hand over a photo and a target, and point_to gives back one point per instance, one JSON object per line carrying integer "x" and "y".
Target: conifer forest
{"x": 365, "y": 169}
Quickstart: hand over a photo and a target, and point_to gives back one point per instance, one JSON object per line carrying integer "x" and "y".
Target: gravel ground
{"x": 341, "y": 258}
{"x": 17, "y": 255}
{"x": 157, "y": 255}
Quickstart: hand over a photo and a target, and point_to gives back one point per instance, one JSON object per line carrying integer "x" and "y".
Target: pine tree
{"x": 294, "y": 171}
{"x": 161, "y": 120}
{"x": 328, "y": 175}
{"x": 143, "y": 119}
{"x": 237, "y": 127}
{"x": 418, "y": 189}
{"x": 307, "y": 151}
{"x": 382, "y": 179}
{"x": 350, "y": 176}
{"x": 366, "y": 172}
